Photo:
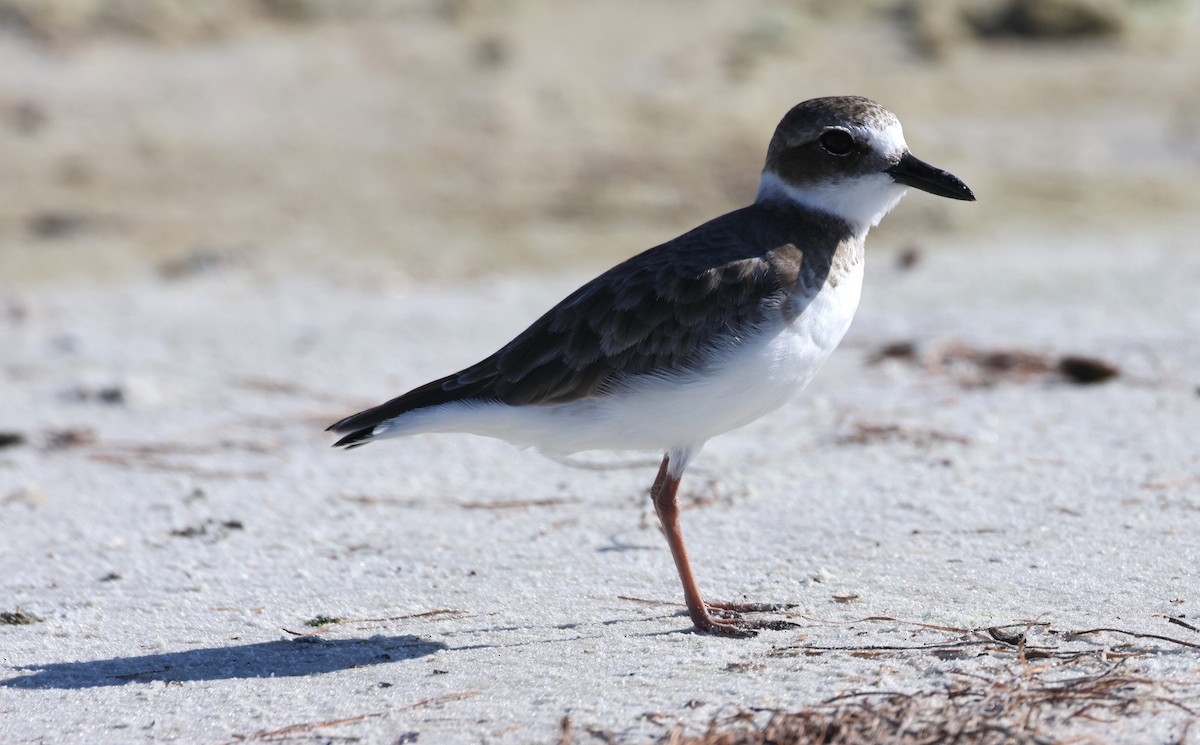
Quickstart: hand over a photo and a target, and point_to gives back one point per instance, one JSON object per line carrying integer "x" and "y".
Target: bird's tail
{"x": 384, "y": 420}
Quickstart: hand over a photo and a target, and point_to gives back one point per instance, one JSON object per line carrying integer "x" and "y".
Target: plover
{"x": 700, "y": 335}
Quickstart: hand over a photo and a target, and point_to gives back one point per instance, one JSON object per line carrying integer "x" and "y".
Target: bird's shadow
{"x": 277, "y": 659}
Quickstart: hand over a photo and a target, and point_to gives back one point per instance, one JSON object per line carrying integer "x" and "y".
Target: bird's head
{"x": 846, "y": 155}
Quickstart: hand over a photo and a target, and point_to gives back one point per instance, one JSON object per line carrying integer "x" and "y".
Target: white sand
{"x": 330, "y": 164}
{"x": 1074, "y": 506}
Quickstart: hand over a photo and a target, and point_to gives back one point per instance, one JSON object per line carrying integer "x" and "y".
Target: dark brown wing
{"x": 668, "y": 308}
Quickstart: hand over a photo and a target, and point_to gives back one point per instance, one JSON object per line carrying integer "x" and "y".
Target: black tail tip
{"x": 355, "y": 439}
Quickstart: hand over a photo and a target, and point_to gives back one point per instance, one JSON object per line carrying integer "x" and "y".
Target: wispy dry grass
{"x": 1026, "y": 683}
{"x": 1035, "y": 705}
{"x": 1050, "y": 704}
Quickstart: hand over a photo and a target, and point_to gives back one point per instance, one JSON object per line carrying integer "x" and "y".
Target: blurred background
{"x": 437, "y": 139}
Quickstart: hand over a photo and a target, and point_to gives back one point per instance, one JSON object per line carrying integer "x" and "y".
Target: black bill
{"x": 912, "y": 171}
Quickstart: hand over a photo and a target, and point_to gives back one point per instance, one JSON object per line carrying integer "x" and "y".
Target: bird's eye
{"x": 837, "y": 142}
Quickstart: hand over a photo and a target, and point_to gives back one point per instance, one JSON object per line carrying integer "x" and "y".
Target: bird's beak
{"x": 912, "y": 171}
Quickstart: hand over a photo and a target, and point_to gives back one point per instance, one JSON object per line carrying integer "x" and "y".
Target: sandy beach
{"x": 211, "y": 249}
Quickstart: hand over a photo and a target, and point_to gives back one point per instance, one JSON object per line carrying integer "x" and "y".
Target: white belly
{"x": 661, "y": 413}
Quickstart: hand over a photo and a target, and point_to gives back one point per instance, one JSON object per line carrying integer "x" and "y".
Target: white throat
{"x": 861, "y": 201}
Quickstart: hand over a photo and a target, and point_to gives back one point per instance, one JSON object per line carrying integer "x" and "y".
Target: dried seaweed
{"x": 974, "y": 366}
{"x": 974, "y": 710}
{"x": 1014, "y": 700}
{"x": 1048, "y": 704}
{"x": 866, "y": 434}
{"x": 18, "y": 617}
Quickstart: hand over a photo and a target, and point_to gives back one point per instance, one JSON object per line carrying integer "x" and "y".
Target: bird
{"x": 697, "y": 336}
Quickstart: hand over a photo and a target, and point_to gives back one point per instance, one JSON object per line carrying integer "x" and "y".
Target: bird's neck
{"x": 860, "y": 203}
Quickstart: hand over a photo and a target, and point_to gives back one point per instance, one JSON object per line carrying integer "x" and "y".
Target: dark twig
{"x": 1135, "y": 634}
{"x": 304, "y": 727}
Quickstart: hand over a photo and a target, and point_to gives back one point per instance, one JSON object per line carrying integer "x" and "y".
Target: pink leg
{"x": 666, "y": 505}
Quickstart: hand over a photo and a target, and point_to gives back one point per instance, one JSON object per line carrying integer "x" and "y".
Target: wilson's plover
{"x": 697, "y": 336}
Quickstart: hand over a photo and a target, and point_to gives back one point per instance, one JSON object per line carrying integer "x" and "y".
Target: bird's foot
{"x": 726, "y": 619}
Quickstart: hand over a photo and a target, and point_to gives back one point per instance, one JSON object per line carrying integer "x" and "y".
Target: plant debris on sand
{"x": 18, "y": 617}
{"x": 1044, "y": 686}
{"x": 974, "y": 367}
{"x": 1023, "y": 705}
